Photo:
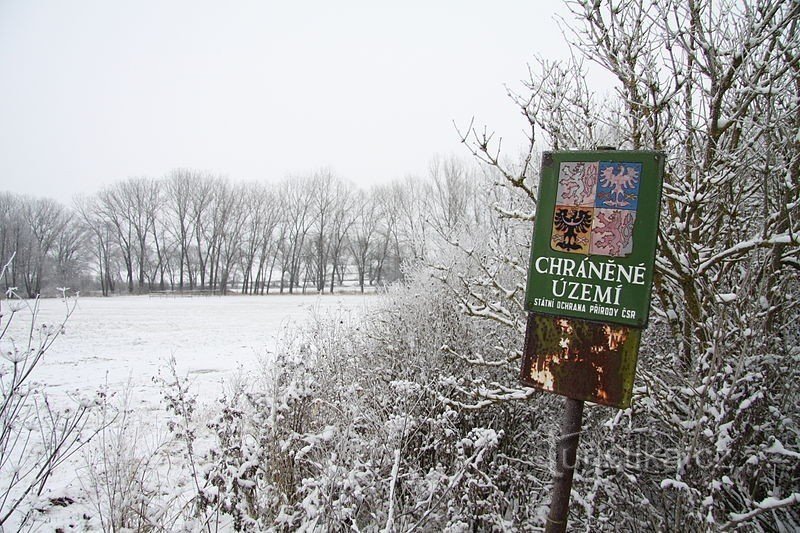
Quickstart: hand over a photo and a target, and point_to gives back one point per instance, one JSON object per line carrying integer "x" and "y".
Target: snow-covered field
{"x": 129, "y": 340}
{"x": 123, "y": 343}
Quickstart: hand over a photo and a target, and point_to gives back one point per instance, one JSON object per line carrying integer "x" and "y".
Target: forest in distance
{"x": 192, "y": 230}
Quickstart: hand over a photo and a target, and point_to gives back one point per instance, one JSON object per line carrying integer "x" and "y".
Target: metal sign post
{"x": 588, "y": 292}
{"x": 566, "y": 455}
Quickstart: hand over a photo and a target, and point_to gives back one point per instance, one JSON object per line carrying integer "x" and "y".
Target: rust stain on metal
{"x": 579, "y": 359}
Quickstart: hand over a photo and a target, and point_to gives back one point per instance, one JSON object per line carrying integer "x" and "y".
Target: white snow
{"x": 767, "y": 504}
{"x": 124, "y": 342}
{"x": 778, "y": 448}
{"x": 130, "y": 339}
{"x": 726, "y": 298}
{"x": 675, "y": 484}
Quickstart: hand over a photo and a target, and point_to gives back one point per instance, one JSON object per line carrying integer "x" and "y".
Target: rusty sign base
{"x": 579, "y": 359}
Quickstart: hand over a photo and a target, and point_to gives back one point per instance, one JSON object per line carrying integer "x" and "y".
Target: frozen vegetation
{"x": 112, "y": 361}
{"x": 409, "y": 417}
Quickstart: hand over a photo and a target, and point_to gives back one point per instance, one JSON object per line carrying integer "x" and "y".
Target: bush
{"x": 36, "y": 437}
{"x": 353, "y": 427}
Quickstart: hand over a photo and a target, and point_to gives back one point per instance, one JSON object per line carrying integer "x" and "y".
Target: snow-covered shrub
{"x": 147, "y": 474}
{"x": 188, "y": 485}
{"x": 414, "y": 419}
{"x": 696, "y": 448}
{"x": 420, "y": 448}
{"x": 122, "y": 474}
{"x": 265, "y": 433}
{"x": 352, "y": 426}
{"x": 711, "y": 440}
{"x": 36, "y": 435}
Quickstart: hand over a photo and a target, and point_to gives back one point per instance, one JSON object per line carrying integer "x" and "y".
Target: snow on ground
{"x": 124, "y": 342}
{"x": 130, "y": 339}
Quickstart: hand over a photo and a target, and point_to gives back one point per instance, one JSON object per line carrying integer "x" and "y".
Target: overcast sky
{"x": 95, "y": 91}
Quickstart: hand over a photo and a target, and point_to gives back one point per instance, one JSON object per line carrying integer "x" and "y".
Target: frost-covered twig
{"x": 181, "y": 403}
{"x": 768, "y": 504}
{"x": 489, "y": 397}
{"x": 745, "y": 246}
{"x": 35, "y": 437}
{"x": 393, "y": 484}
{"x": 480, "y": 360}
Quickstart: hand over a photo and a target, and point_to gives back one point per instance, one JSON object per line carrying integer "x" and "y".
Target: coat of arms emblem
{"x": 595, "y": 208}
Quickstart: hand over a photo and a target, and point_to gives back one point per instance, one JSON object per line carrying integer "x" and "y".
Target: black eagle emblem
{"x": 572, "y": 222}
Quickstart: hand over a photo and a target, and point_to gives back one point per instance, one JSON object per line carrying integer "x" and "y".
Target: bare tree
{"x": 363, "y": 233}
{"x": 113, "y": 207}
{"x": 69, "y": 251}
{"x": 179, "y": 185}
{"x": 256, "y": 200}
{"x": 10, "y": 228}
{"x": 450, "y": 193}
{"x": 259, "y": 255}
{"x": 408, "y": 197}
{"x": 46, "y": 220}
{"x": 269, "y": 229}
{"x": 231, "y": 221}
{"x": 342, "y": 221}
{"x": 206, "y": 234}
{"x": 387, "y": 232}
{"x": 141, "y": 199}
{"x": 298, "y": 195}
{"x": 101, "y": 237}
{"x": 323, "y": 188}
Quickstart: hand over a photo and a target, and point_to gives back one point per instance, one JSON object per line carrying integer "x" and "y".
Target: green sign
{"x": 596, "y": 228}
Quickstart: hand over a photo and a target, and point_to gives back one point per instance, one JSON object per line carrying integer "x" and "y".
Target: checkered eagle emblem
{"x": 596, "y": 207}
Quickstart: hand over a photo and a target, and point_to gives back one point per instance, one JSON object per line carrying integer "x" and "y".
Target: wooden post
{"x": 566, "y": 453}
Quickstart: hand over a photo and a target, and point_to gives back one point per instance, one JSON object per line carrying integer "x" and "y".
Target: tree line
{"x": 193, "y": 230}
